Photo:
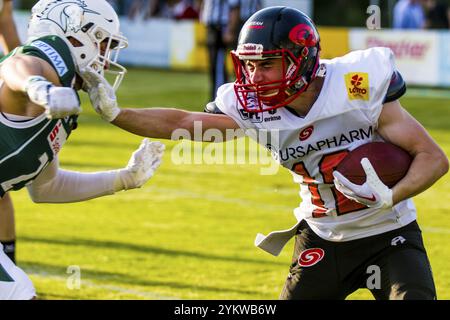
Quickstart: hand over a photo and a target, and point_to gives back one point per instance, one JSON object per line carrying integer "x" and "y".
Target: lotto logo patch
{"x": 357, "y": 84}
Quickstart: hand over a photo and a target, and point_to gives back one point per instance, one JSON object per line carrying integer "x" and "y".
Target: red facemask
{"x": 255, "y": 97}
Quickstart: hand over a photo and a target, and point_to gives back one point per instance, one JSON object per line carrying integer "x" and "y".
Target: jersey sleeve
{"x": 368, "y": 74}
{"x": 382, "y": 67}
{"x": 56, "y": 52}
{"x": 226, "y": 102}
{"x": 397, "y": 87}
{"x": 55, "y": 185}
{"x": 212, "y": 108}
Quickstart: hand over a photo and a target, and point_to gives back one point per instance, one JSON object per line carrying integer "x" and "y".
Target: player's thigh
{"x": 7, "y": 225}
{"x": 410, "y": 276}
{"x": 14, "y": 283}
{"x": 312, "y": 275}
{"x": 406, "y": 272}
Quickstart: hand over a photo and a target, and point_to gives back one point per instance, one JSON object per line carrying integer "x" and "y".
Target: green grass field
{"x": 189, "y": 232}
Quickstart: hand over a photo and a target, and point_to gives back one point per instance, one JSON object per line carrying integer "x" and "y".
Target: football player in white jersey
{"x": 320, "y": 110}
{"x": 9, "y": 39}
{"x": 39, "y": 103}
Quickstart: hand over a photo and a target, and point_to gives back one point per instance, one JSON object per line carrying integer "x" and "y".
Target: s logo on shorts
{"x": 310, "y": 257}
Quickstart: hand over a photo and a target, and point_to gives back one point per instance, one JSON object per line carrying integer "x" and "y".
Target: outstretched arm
{"x": 55, "y": 185}
{"x": 151, "y": 122}
{"x": 162, "y": 123}
{"x": 32, "y": 78}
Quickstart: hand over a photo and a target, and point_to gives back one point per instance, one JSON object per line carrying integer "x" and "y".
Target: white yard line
{"x": 428, "y": 93}
{"x": 435, "y": 230}
{"x": 91, "y": 284}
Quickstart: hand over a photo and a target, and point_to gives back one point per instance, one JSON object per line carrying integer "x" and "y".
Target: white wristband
{"x": 37, "y": 88}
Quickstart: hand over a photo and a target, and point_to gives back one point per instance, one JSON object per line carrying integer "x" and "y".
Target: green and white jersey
{"x": 26, "y": 147}
{"x": 53, "y": 50}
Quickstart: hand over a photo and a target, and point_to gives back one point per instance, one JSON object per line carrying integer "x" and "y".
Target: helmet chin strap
{"x": 289, "y": 91}
{"x": 320, "y": 72}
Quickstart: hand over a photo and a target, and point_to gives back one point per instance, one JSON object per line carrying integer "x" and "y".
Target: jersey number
{"x": 327, "y": 165}
{"x": 10, "y": 184}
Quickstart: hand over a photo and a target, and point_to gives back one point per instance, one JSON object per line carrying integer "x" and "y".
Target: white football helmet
{"x": 89, "y": 27}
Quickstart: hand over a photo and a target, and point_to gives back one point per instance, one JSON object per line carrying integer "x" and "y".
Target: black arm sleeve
{"x": 397, "y": 87}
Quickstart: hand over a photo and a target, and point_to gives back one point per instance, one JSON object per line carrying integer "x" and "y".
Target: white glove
{"x": 101, "y": 94}
{"x": 373, "y": 193}
{"x": 58, "y": 102}
{"x": 141, "y": 166}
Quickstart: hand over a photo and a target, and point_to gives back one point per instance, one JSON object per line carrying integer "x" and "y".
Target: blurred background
{"x": 173, "y": 34}
{"x": 189, "y": 232}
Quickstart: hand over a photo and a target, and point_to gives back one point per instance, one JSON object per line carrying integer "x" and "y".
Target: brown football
{"x": 389, "y": 161}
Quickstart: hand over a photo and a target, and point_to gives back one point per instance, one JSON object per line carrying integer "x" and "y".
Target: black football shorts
{"x": 393, "y": 265}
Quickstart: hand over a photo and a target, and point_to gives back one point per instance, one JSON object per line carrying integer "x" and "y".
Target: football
{"x": 390, "y": 162}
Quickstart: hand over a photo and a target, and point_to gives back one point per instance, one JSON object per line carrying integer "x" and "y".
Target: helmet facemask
{"x": 107, "y": 48}
{"x": 90, "y": 28}
{"x": 276, "y": 33}
{"x": 257, "y": 97}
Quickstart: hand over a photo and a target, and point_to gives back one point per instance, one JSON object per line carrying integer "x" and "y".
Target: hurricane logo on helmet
{"x": 70, "y": 17}
{"x": 303, "y": 35}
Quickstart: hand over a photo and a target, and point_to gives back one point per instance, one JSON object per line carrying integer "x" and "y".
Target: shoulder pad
{"x": 73, "y": 122}
{"x": 56, "y": 52}
{"x": 396, "y": 89}
{"x": 212, "y": 108}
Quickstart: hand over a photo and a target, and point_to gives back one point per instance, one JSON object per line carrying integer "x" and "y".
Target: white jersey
{"x": 344, "y": 116}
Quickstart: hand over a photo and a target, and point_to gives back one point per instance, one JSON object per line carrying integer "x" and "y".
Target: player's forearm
{"x": 70, "y": 186}
{"x": 152, "y": 122}
{"x": 424, "y": 171}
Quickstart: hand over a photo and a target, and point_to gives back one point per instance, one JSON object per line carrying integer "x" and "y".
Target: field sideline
{"x": 188, "y": 233}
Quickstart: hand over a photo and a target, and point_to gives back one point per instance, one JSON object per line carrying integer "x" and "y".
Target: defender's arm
{"x": 55, "y": 185}
{"x": 32, "y": 77}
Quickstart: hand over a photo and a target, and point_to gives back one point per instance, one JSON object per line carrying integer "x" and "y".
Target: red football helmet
{"x": 276, "y": 32}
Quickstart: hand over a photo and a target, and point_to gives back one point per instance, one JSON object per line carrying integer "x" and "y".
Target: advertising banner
{"x": 416, "y": 52}
{"x": 148, "y": 42}
{"x": 422, "y": 56}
